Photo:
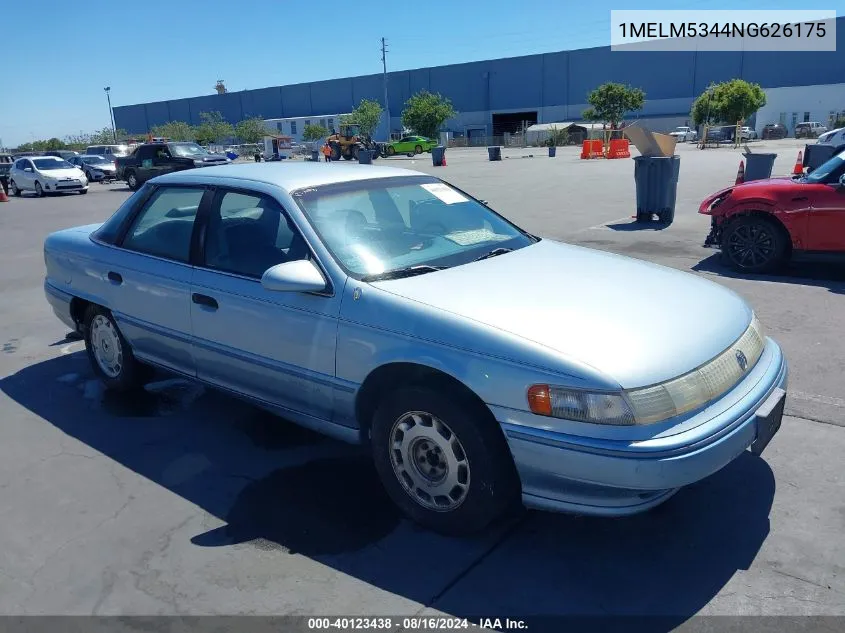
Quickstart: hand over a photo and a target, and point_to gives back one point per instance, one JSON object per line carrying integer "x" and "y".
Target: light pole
{"x": 111, "y": 113}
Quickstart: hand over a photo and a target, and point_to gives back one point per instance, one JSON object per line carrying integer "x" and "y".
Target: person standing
{"x": 327, "y": 152}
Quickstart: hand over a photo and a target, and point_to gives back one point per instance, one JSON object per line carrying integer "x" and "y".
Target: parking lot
{"x": 184, "y": 501}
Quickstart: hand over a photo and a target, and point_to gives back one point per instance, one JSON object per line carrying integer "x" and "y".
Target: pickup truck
{"x": 154, "y": 159}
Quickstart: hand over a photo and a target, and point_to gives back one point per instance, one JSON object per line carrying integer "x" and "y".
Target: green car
{"x": 409, "y": 145}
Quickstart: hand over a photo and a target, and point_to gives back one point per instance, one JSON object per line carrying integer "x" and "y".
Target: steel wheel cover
{"x": 751, "y": 245}
{"x": 429, "y": 461}
{"x": 105, "y": 343}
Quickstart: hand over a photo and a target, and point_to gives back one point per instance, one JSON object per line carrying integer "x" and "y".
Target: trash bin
{"x": 758, "y": 166}
{"x": 315, "y": 155}
{"x": 552, "y": 151}
{"x": 494, "y": 153}
{"x": 438, "y": 155}
{"x": 656, "y": 178}
{"x": 816, "y": 155}
{"x": 365, "y": 157}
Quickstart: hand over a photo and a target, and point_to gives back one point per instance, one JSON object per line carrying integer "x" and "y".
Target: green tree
{"x": 426, "y": 112}
{"x": 251, "y": 130}
{"x": 314, "y": 132}
{"x": 175, "y": 130}
{"x": 727, "y": 102}
{"x": 105, "y": 137}
{"x": 610, "y": 101}
{"x": 213, "y": 128}
{"x": 366, "y": 116}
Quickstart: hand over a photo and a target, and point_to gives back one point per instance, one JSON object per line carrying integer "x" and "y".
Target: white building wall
{"x": 799, "y": 103}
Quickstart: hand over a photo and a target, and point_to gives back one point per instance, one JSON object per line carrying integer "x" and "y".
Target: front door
{"x": 827, "y": 218}
{"x": 277, "y": 347}
{"x": 147, "y": 281}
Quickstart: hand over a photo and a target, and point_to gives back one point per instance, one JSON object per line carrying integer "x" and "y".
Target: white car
{"x": 835, "y": 138}
{"x": 684, "y": 133}
{"x": 748, "y": 133}
{"x": 45, "y": 174}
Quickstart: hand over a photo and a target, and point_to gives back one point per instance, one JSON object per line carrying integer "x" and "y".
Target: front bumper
{"x": 563, "y": 472}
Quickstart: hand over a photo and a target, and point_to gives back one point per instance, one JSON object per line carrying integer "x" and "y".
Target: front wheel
{"x": 13, "y": 187}
{"x": 110, "y": 355}
{"x": 83, "y": 191}
{"x": 753, "y": 244}
{"x": 443, "y": 460}
{"x": 39, "y": 191}
{"x": 391, "y": 150}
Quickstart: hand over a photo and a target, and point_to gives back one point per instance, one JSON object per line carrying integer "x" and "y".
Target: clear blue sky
{"x": 60, "y": 54}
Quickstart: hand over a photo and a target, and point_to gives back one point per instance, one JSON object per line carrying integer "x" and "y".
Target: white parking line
{"x": 603, "y": 225}
{"x": 800, "y": 395}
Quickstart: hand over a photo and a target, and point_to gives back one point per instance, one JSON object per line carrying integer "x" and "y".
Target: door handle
{"x": 800, "y": 199}
{"x": 205, "y": 300}
{"x": 115, "y": 277}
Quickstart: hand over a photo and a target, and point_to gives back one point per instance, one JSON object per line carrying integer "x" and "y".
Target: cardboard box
{"x": 650, "y": 143}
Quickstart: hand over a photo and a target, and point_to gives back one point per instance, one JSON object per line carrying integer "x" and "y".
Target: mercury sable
{"x": 480, "y": 364}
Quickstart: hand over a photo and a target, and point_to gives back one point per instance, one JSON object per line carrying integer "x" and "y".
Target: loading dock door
{"x": 513, "y": 122}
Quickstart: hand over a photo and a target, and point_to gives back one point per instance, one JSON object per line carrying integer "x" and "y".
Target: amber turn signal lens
{"x": 539, "y": 399}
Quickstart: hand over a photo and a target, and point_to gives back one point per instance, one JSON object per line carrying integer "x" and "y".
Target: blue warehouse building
{"x": 500, "y": 95}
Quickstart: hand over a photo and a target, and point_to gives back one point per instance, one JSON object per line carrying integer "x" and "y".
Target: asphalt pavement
{"x": 183, "y": 501}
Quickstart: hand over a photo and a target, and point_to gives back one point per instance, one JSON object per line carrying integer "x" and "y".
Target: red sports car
{"x": 759, "y": 225}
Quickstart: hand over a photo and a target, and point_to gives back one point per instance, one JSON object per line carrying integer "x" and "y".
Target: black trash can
{"x": 657, "y": 187}
{"x": 759, "y": 166}
{"x": 315, "y": 155}
{"x": 494, "y": 153}
{"x": 816, "y": 155}
{"x": 438, "y": 155}
{"x": 552, "y": 152}
{"x": 365, "y": 157}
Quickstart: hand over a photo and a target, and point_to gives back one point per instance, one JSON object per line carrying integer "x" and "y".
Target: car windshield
{"x": 52, "y": 163}
{"x": 187, "y": 149}
{"x": 392, "y": 227}
{"x": 96, "y": 160}
{"x": 834, "y": 167}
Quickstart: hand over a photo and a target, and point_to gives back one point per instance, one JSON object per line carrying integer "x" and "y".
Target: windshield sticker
{"x": 444, "y": 193}
{"x": 479, "y": 236}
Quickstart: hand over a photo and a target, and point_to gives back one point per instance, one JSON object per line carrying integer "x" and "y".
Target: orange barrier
{"x": 592, "y": 149}
{"x": 619, "y": 148}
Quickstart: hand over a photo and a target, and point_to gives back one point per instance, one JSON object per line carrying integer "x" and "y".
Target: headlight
{"x": 656, "y": 403}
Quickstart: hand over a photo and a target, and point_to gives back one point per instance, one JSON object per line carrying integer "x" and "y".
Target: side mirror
{"x": 299, "y": 276}
{"x": 28, "y": 169}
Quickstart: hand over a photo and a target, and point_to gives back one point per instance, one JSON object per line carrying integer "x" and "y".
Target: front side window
{"x": 828, "y": 172}
{"x": 385, "y": 227}
{"x": 164, "y": 226}
{"x": 249, "y": 233}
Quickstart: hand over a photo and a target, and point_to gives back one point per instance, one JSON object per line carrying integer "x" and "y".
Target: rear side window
{"x": 164, "y": 226}
{"x": 110, "y": 229}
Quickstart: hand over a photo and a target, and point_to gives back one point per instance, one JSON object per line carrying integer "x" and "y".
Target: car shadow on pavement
{"x": 633, "y": 225}
{"x": 820, "y": 272}
{"x": 287, "y": 490}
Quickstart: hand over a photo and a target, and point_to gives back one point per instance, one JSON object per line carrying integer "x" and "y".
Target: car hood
{"x": 636, "y": 322}
{"x": 211, "y": 158}
{"x": 62, "y": 173}
{"x": 101, "y": 166}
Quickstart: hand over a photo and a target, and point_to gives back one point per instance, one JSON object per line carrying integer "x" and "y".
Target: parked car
{"x": 760, "y": 224}
{"x": 154, "y": 159}
{"x": 62, "y": 153}
{"x": 774, "y": 131}
{"x": 809, "y": 129}
{"x": 45, "y": 174}
{"x": 96, "y": 168}
{"x": 836, "y": 138}
{"x": 109, "y": 151}
{"x": 409, "y": 145}
{"x": 748, "y": 133}
{"x": 715, "y": 134}
{"x": 683, "y": 134}
{"x": 360, "y": 302}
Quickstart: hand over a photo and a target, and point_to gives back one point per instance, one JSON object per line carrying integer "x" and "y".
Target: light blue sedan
{"x": 481, "y": 364}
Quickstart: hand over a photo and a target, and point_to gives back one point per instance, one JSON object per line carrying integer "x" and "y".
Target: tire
{"x": 14, "y": 189}
{"x": 83, "y": 191}
{"x": 88, "y": 176}
{"x": 336, "y": 152}
{"x": 105, "y": 344}
{"x": 132, "y": 181}
{"x": 751, "y": 244}
{"x": 39, "y": 191}
{"x": 418, "y": 149}
{"x": 477, "y": 460}
{"x": 391, "y": 150}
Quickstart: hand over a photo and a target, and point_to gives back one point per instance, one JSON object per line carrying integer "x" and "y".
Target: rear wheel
{"x": 443, "y": 460}
{"x": 38, "y": 190}
{"x": 753, "y": 244}
{"x": 418, "y": 149}
{"x": 132, "y": 181}
{"x": 110, "y": 356}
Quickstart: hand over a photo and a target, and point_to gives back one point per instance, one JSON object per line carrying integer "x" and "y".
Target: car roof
{"x": 289, "y": 176}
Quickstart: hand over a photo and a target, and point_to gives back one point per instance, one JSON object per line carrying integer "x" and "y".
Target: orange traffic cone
{"x": 443, "y": 162}
{"x": 3, "y": 196}
{"x": 799, "y": 164}
{"x": 740, "y": 173}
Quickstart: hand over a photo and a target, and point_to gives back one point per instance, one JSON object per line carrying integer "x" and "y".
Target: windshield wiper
{"x": 399, "y": 273}
{"x": 494, "y": 253}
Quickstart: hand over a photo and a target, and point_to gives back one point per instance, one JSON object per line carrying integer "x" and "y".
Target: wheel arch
{"x": 393, "y": 375}
{"x": 767, "y": 216}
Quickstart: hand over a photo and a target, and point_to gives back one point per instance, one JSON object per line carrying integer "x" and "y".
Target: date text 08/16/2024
{"x": 414, "y": 623}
